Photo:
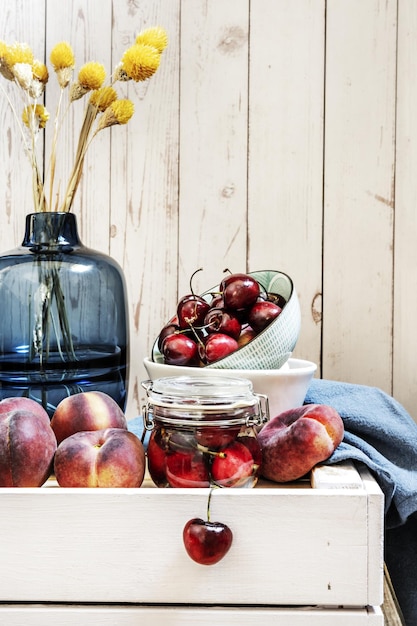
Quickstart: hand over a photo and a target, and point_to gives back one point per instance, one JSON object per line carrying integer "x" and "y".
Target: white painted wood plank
{"x": 144, "y": 193}
{"x": 17, "y": 24}
{"x": 172, "y": 616}
{"x": 358, "y": 202}
{"x": 213, "y": 142}
{"x": 97, "y": 536}
{"x": 405, "y": 267}
{"x": 87, "y": 27}
{"x": 343, "y": 475}
{"x": 286, "y": 151}
{"x": 375, "y": 537}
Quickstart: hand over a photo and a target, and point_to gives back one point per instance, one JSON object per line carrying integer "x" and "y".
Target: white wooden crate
{"x": 298, "y": 544}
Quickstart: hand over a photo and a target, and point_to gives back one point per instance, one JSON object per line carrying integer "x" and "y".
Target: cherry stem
{"x": 209, "y": 500}
{"x": 200, "y": 269}
{"x": 206, "y": 450}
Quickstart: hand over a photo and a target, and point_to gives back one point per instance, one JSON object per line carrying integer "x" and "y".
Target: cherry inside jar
{"x": 203, "y": 431}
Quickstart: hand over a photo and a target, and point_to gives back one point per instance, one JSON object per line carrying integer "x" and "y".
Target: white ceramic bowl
{"x": 286, "y": 387}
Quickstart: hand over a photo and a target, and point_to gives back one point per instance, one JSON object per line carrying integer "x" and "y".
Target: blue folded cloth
{"x": 379, "y": 433}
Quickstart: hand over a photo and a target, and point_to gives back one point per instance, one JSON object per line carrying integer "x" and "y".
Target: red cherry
{"x": 219, "y": 345}
{"x": 240, "y": 291}
{"x": 234, "y": 466}
{"x": 246, "y": 336}
{"x": 263, "y": 313}
{"x": 187, "y": 470}
{"x": 206, "y": 542}
{"x": 219, "y": 320}
{"x": 217, "y": 301}
{"x": 168, "y": 329}
{"x": 178, "y": 349}
{"x": 156, "y": 460}
{"x": 191, "y": 311}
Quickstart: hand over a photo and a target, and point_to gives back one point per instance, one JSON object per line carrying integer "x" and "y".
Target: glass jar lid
{"x": 201, "y": 391}
{"x": 213, "y": 400}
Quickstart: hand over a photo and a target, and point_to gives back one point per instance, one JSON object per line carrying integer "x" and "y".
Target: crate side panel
{"x": 290, "y": 546}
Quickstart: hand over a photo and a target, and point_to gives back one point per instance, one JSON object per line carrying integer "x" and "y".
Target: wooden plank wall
{"x": 276, "y": 134}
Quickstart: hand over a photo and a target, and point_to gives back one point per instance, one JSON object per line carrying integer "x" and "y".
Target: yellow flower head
{"x": 35, "y": 117}
{"x": 119, "y": 112}
{"x": 40, "y": 72}
{"x": 63, "y": 61}
{"x": 140, "y": 61}
{"x": 62, "y": 56}
{"x": 156, "y": 37}
{"x": 18, "y": 53}
{"x": 92, "y": 75}
{"x": 103, "y": 98}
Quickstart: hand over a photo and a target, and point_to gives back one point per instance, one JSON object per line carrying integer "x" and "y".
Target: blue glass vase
{"x": 63, "y": 316}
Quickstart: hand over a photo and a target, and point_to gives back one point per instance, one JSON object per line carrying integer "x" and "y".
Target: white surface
{"x": 292, "y": 545}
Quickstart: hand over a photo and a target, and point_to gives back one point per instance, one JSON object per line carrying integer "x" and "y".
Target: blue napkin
{"x": 379, "y": 433}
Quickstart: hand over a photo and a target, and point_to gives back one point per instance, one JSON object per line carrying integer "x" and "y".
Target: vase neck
{"x": 51, "y": 230}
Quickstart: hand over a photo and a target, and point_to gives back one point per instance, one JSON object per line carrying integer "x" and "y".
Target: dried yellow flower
{"x": 156, "y": 37}
{"x": 18, "y": 53}
{"x": 103, "y": 98}
{"x": 23, "y": 74}
{"x": 35, "y": 116}
{"x": 140, "y": 61}
{"x": 119, "y": 112}
{"x": 92, "y": 75}
{"x": 40, "y": 72}
{"x": 63, "y": 61}
{"x": 62, "y": 56}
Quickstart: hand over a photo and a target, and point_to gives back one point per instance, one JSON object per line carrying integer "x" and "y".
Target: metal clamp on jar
{"x": 204, "y": 431}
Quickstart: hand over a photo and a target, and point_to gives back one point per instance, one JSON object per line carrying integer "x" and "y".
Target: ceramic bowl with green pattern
{"x": 273, "y": 346}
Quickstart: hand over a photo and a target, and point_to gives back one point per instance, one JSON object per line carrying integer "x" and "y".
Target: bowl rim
{"x": 300, "y": 366}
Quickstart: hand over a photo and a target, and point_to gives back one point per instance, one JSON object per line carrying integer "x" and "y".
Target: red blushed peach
{"x": 23, "y": 404}
{"x": 295, "y": 441}
{"x": 90, "y": 410}
{"x": 112, "y": 457}
{"x": 27, "y": 448}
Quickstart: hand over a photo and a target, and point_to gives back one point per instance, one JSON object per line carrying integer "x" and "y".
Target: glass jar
{"x": 203, "y": 431}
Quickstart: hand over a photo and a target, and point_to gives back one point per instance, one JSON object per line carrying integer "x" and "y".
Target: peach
{"x": 112, "y": 457}
{"x": 27, "y": 448}
{"x": 24, "y": 404}
{"x": 89, "y": 410}
{"x": 293, "y": 442}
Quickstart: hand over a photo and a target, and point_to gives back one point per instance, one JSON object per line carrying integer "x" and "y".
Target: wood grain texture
{"x": 405, "y": 249}
{"x": 285, "y": 177}
{"x": 358, "y": 191}
{"x": 269, "y": 138}
{"x": 317, "y": 545}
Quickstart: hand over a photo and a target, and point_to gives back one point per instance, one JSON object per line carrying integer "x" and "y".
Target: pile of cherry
{"x": 210, "y": 327}
{"x": 227, "y": 456}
